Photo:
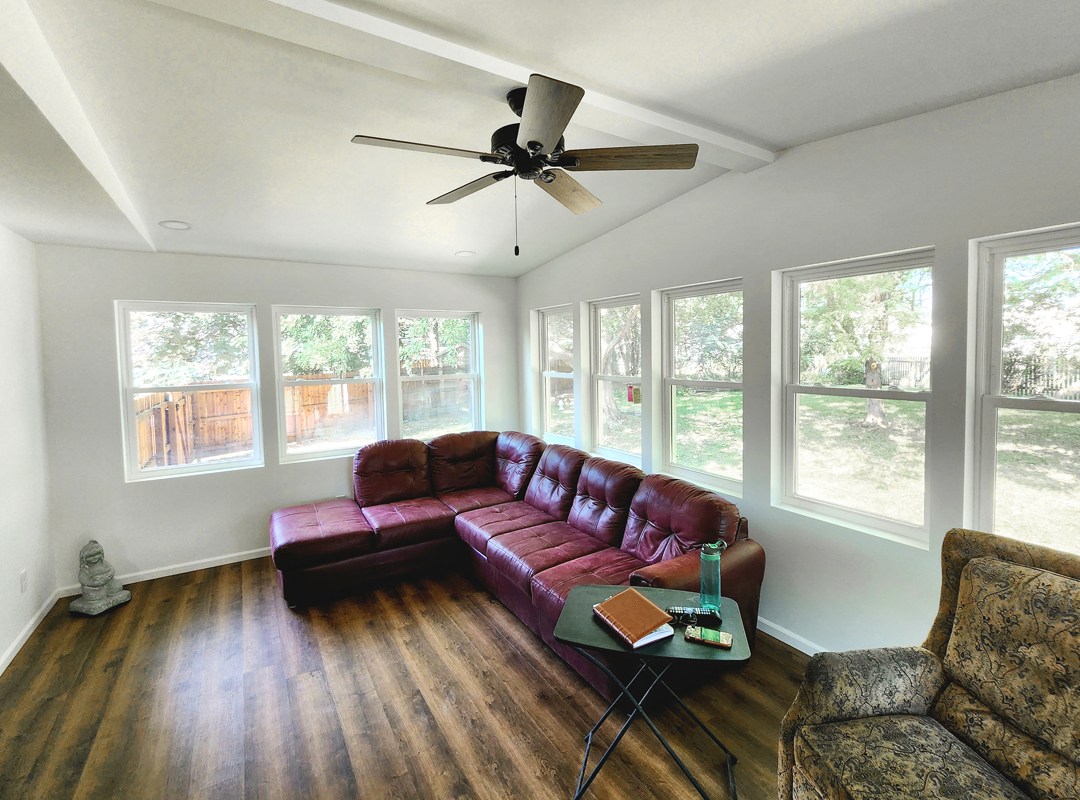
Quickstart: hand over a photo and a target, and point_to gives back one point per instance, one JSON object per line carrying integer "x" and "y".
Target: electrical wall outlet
{"x": 24, "y": 581}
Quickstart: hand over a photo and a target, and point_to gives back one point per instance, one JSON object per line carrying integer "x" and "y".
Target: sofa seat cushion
{"x": 522, "y": 554}
{"x": 408, "y": 522}
{"x": 318, "y": 533}
{"x": 477, "y": 527}
{"x": 894, "y": 758}
{"x": 472, "y": 499}
{"x": 608, "y": 566}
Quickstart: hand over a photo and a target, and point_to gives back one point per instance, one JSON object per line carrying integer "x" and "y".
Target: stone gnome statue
{"x": 100, "y": 590}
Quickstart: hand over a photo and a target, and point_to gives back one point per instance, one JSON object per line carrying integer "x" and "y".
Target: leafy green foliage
{"x": 709, "y": 337}
{"x": 435, "y": 345}
{"x": 326, "y": 345}
{"x": 620, "y": 340}
{"x": 174, "y": 348}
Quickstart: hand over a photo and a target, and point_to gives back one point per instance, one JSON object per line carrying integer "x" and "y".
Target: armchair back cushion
{"x": 462, "y": 461}
{"x": 554, "y": 483}
{"x": 388, "y": 471}
{"x": 516, "y": 457}
{"x": 602, "y": 503}
{"x": 670, "y": 517}
{"x": 1023, "y": 666}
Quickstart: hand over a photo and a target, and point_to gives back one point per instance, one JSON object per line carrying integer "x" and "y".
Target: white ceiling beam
{"x": 349, "y": 33}
{"x": 26, "y": 55}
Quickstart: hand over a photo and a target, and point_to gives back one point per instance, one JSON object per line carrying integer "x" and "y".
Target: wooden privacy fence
{"x": 189, "y": 427}
{"x": 308, "y": 409}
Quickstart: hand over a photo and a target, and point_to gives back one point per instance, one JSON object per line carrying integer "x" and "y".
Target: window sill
{"x": 909, "y": 540}
{"x": 617, "y": 455}
{"x": 726, "y": 487}
{"x": 300, "y": 458}
{"x": 163, "y": 474}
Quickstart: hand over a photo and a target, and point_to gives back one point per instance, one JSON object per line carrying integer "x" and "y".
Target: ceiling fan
{"x": 534, "y": 149}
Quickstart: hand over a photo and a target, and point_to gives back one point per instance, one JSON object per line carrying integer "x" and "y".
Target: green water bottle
{"x": 710, "y": 574}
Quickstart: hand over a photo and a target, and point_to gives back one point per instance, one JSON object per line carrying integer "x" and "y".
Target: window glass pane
{"x": 844, "y": 456}
{"x": 329, "y": 417}
{"x": 560, "y": 406}
{"x": 1040, "y": 348}
{"x": 620, "y": 341}
{"x": 620, "y": 416}
{"x": 174, "y": 428}
{"x": 435, "y": 345}
{"x": 431, "y": 408}
{"x": 559, "y": 347}
{"x": 177, "y": 348}
{"x": 866, "y": 330}
{"x": 707, "y": 425}
{"x": 708, "y": 337}
{"x": 320, "y": 346}
{"x": 1037, "y": 482}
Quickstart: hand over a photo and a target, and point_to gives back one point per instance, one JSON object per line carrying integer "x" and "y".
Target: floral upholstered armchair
{"x": 987, "y": 708}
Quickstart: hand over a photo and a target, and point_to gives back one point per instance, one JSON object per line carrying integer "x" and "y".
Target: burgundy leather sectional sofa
{"x": 535, "y": 521}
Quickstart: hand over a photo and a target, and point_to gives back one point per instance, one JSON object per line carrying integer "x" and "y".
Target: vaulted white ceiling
{"x": 237, "y": 116}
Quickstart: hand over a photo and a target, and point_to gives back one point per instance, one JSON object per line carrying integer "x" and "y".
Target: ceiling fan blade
{"x": 425, "y": 148}
{"x": 664, "y": 156}
{"x": 549, "y": 104}
{"x": 469, "y": 188}
{"x": 569, "y": 192}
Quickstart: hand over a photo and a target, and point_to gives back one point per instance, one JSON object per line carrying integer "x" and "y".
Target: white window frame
{"x": 281, "y": 382}
{"x": 475, "y": 377}
{"x": 132, "y": 470}
{"x": 546, "y": 373}
{"x": 596, "y": 378}
{"x": 918, "y": 535}
{"x": 669, "y": 383}
{"x": 992, "y": 254}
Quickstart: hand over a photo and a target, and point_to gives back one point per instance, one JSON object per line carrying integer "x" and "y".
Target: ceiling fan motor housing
{"x": 527, "y": 167}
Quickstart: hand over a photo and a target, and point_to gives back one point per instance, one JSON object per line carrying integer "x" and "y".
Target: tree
{"x": 326, "y": 345}
{"x": 620, "y": 351}
{"x": 173, "y": 348}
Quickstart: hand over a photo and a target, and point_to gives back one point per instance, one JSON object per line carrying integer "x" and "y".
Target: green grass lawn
{"x": 708, "y": 431}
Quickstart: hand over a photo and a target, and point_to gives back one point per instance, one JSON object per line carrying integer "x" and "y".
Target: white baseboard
{"x": 133, "y": 577}
{"x": 24, "y": 634}
{"x": 787, "y": 637}
{"x": 177, "y": 569}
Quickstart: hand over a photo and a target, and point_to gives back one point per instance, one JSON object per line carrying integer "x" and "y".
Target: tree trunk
{"x": 875, "y": 408}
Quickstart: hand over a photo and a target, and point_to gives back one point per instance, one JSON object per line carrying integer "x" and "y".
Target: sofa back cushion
{"x": 462, "y": 461}
{"x": 670, "y": 517}
{"x": 602, "y": 501}
{"x": 554, "y": 483}
{"x": 1015, "y": 646}
{"x": 516, "y": 457}
{"x": 385, "y": 472}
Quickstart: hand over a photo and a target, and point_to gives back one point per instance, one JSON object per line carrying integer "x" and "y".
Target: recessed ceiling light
{"x": 465, "y": 253}
{"x": 175, "y": 225}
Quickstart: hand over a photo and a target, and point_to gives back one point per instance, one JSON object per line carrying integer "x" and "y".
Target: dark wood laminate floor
{"x": 206, "y": 686}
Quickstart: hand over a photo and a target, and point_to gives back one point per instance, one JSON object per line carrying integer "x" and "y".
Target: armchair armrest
{"x": 856, "y": 684}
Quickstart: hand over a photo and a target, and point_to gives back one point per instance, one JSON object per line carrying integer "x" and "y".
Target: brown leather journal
{"x": 632, "y": 616}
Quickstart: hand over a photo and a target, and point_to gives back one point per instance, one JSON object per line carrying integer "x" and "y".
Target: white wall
{"x": 1002, "y": 164}
{"x": 152, "y": 525}
{"x": 24, "y": 540}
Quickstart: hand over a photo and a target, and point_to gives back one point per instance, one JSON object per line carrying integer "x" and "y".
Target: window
{"x": 1029, "y": 381}
{"x": 328, "y": 379}
{"x": 439, "y": 373}
{"x": 857, "y": 390}
{"x": 616, "y": 333}
{"x": 703, "y": 381}
{"x": 190, "y": 389}
{"x": 557, "y": 371}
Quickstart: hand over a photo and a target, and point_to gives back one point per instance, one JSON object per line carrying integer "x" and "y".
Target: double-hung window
{"x": 440, "y": 374}
{"x": 702, "y": 404}
{"x": 189, "y": 384}
{"x": 856, "y": 391}
{"x": 328, "y": 380}
{"x": 557, "y": 371}
{"x": 1029, "y": 388}
{"x": 616, "y": 375}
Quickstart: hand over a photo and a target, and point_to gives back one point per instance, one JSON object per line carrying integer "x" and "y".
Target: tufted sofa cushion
{"x": 385, "y": 472}
{"x": 460, "y": 461}
{"x": 669, "y": 517}
{"x": 516, "y": 457}
{"x": 602, "y": 502}
{"x": 1022, "y": 665}
{"x": 554, "y": 483}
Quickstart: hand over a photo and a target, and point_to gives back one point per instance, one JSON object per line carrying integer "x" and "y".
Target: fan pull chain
{"x": 517, "y": 250}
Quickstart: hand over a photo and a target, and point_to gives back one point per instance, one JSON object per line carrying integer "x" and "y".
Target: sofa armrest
{"x": 857, "y": 684}
{"x": 738, "y": 562}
